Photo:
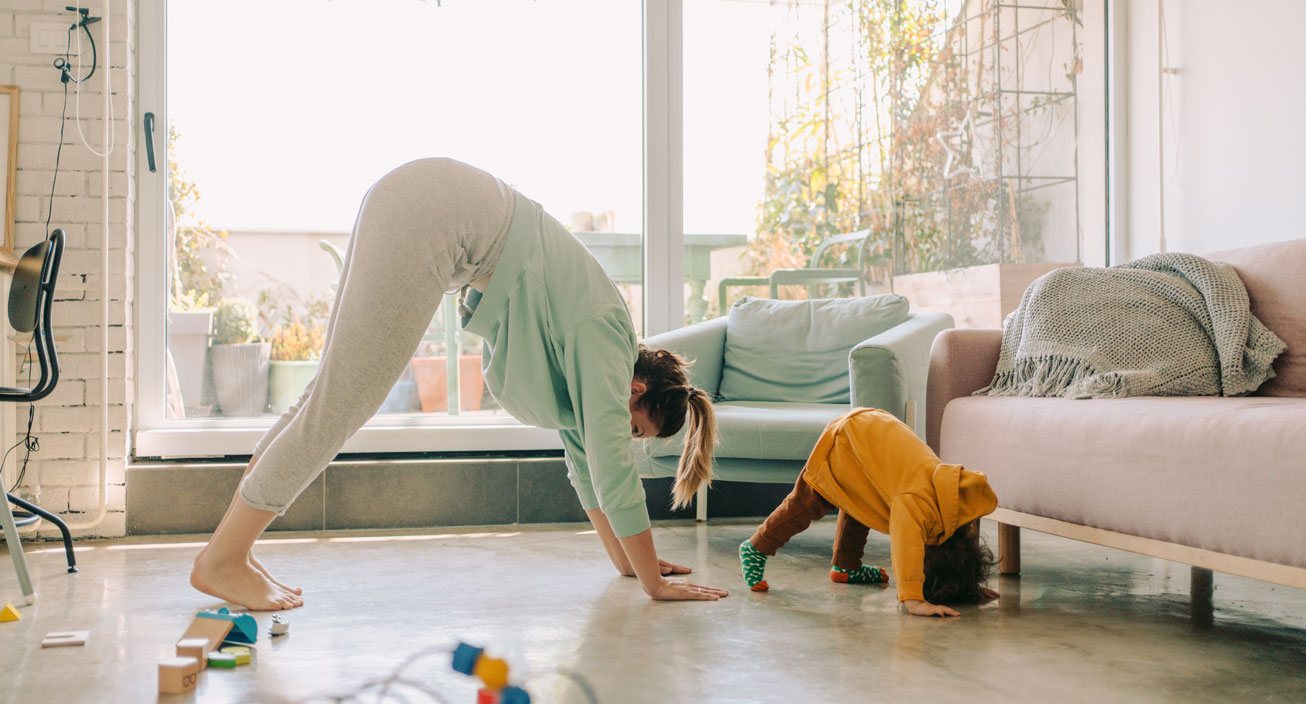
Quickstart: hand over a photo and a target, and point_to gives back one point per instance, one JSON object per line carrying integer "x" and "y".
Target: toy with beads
{"x": 493, "y": 672}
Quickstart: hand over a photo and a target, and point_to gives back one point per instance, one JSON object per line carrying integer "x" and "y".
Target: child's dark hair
{"x": 668, "y": 400}
{"x": 956, "y": 568}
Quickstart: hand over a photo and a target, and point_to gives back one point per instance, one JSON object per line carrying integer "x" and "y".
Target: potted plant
{"x": 190, "y": 325}
{"x": 240, "y": 360}
{"x": 296, "y": 348}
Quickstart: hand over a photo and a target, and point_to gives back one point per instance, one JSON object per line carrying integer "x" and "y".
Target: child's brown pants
{"x": 802, "y": 506}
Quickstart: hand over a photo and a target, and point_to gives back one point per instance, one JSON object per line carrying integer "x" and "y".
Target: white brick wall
{"x": 63, "y": 475}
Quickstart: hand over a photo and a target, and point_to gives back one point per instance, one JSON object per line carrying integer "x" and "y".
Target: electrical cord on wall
{"x": 29, "y": 442}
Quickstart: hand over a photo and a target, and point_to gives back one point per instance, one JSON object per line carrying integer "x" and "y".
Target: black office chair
{"x": 31, "y": 294}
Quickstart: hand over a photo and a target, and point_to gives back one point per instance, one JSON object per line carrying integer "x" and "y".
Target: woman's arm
{"x": 639, "y": 548}
{"x": 618, "y": 555}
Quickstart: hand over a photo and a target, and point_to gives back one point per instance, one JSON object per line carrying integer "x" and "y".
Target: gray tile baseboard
{"x": 165, "y": 498}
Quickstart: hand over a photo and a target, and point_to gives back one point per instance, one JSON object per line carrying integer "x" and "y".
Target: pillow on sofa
{"x": 1272, "y": 274}
{"x": 797, "y": 351}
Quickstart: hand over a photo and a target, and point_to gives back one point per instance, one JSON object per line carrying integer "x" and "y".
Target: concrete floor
{"x": 1082, "y": 624}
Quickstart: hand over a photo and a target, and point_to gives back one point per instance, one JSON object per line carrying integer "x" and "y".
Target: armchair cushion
{"x": 797, "y": 351}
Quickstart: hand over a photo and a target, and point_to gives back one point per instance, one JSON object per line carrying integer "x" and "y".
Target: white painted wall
{"x": 1234, "y": 134}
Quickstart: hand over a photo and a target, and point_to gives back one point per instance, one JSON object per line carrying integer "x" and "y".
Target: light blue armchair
{"x": 769, "y": 440}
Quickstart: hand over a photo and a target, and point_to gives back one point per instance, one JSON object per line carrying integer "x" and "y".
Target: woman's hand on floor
{"x": 680, "y": 590}
{"x": 925, "y": 608}
{"x": 664, "y": 567}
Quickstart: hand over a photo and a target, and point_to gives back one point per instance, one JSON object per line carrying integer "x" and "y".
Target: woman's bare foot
{"x": 238, "y": 582}
{"x": 259, "y": 566}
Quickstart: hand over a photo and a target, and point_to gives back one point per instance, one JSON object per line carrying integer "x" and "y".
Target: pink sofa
{"x": 1218, "y": 483}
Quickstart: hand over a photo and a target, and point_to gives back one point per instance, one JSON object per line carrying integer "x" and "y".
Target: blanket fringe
{"x": 1055, "y": 377}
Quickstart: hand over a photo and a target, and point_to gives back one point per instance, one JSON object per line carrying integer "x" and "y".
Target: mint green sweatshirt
{"x": 559, "y": 353}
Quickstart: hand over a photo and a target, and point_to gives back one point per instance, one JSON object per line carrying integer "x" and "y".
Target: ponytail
{"x": 670, "y": 400}
{"x": 695, "y": 468}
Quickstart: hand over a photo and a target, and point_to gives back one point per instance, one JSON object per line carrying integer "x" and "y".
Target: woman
{"x": 562, "y": 354}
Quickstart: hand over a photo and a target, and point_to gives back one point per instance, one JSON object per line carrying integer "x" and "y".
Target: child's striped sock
{"x": 753, "y": 563}
{"x": 862, "y": 575}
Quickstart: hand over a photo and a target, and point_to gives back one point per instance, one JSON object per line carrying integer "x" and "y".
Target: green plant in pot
{"x": 296, "y": 347}
{"x": 240, "y": 359}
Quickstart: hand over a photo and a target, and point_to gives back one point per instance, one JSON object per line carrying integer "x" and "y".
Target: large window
{"x": 702, "y": 149}
{"x": 277, "y": 117}
{"x": 837, "y": 148}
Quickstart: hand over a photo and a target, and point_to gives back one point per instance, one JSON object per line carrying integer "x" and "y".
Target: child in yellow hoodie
{"x": 878, "y": 474}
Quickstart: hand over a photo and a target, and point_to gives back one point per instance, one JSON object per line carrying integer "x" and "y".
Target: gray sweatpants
{"x": 428, "y": 227}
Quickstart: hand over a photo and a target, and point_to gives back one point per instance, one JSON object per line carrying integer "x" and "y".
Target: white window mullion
{"x": 151, "y": 187}
{"x": 664, "y": 259}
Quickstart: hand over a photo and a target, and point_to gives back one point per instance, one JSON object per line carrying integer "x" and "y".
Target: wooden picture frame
{"x": 9, "y": 170}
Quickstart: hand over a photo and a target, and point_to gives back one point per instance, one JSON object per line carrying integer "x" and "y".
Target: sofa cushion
{"x": 760, "y": 430}
{"x": 1275, "y": 276}
{"x": 797, "y": 351}
{"x": 1221, "y": 474}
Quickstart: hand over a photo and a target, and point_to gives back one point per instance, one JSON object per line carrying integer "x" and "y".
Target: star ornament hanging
{"x": 963, "y": 135}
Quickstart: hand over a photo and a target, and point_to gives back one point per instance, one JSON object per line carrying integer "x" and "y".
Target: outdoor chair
{"x": 816, "y": 274}
{"x": 31, "y": 294}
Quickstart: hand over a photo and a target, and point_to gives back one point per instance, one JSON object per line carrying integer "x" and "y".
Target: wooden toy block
{"x": 241, "y": 652}
{"x": 244, "y": 629}
{"x": 9, "y": 613}
{"x": 465, "y": 657}
{"x": 197, "y": 648}
{"x": 212, "y": 630}
{"x": 487, "y": 696}
{"x": 280, "y": 626}
{"x": 178, "y": 675}
{"x": 63, "y": 639}
{"x": 514, "y": 695}
{"x": 224, "y": 660}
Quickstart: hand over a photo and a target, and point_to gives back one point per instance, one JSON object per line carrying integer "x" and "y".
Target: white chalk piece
{"x": 279, "y": 627}
{"x": 62, "y": 639}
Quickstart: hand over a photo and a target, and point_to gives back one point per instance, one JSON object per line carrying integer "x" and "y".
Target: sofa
{"x": 1217, "y": 483}
{"x": 779, "y": 371}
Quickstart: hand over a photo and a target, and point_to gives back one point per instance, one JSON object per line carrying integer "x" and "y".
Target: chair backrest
{"x": 31, "y": 294}
{"x": 859, "y": 237}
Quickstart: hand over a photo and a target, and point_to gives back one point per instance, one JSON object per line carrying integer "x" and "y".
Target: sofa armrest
{"x": 704, "y": 344}
{"x": 961, "y": 363}
{"x": 890, "y": 369}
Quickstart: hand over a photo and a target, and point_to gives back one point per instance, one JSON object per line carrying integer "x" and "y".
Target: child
{"x": 874, "y": 469}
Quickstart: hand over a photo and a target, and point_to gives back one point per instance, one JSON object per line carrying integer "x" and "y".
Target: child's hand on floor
{"x": 925, "y": 608}
{"x": 987, "y": 594}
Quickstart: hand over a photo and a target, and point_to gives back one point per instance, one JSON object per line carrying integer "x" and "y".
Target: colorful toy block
{"x": 227, "y": 661}
{"x": 280, "y": 626}
{"x": 178, "y": 675}
{"x": 65, "y": 638}
{"x": 464, "y": 658}
{"x": 9, "y": 613}
{"x": 487, "y": 696}
{"x": 212, "y": 630}
{"x": 492, "y": 671}
{"x": 197, "y": 648}
{"x": 241, "y": 652}
{"x": 514, "y": 695}
{"x": 244, "y": 629}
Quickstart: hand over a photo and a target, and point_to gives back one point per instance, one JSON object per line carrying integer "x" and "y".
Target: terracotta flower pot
{"x": 433, "y": 382}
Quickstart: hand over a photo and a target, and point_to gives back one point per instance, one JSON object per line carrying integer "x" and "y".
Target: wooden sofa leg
{"x": 1201, "y": 593}
{"x": 700, "y": 503}
{"x": 1008, "y": 549}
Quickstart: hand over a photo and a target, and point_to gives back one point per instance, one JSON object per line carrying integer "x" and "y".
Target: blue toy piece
{"x": 514, "y": 695}
{"x": 244, "y": 629}
{"x": 465, "y": 657}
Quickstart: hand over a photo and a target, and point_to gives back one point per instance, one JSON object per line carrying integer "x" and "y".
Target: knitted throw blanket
{"x": 1163, "y": 325}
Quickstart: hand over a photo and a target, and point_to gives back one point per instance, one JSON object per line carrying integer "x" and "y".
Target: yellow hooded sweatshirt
{"x": 873, "y": 466}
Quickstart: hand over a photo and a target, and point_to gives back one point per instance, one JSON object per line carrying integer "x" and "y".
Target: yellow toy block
{"x": 492, "y": 671}
{"x": 241, "y": 652}
{"x": 9, "y": 613}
